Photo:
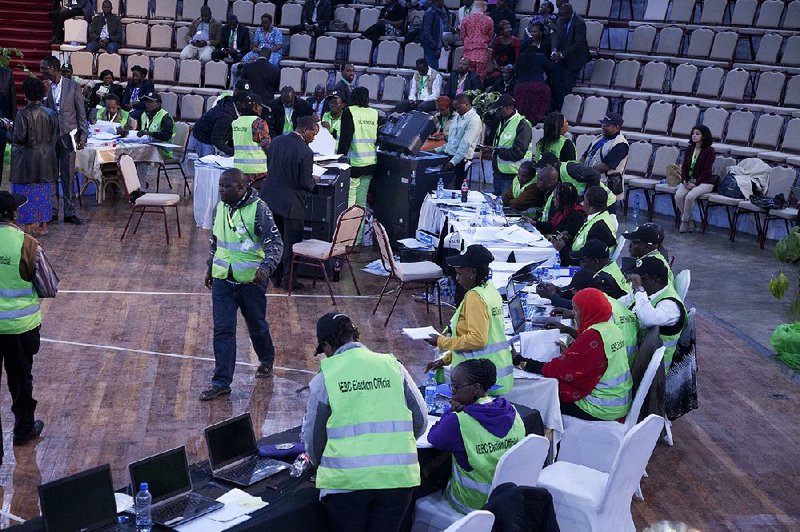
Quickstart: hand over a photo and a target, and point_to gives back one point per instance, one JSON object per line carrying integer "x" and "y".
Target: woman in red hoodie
{"x": 594, "y": 379}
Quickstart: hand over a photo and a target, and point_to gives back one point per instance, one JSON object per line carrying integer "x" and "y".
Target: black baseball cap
{"x": 652, "y": 267}
{"x": 476, "y": 256}
{"x": 327, "y": 327}
{"x": 647, "y": 233}
{"x": 504, "y": 101}
{"x": 592, "y": 249}
{"x": 242, "y": 85}
{"x": 336, "y": 94}
{"x": 612, "y": 118}
{"x": 152, "y": 95}
{"x": 11, "y": 202}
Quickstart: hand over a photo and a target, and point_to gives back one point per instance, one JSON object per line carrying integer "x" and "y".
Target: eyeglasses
{"x": 454, "y": 388}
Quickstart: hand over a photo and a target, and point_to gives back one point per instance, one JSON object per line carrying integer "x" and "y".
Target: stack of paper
{"x": 420, "y": 333}
{"x": 238, "y": 505}
{"x": 217, "y": 160}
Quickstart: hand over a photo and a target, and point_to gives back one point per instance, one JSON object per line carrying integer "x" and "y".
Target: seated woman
{"x": 106, "y": 86}
{"x": 599, "y": 225}
{"x": 444, "y": 118}
{"x": 594, "y": 380}
{"x": 477, "y": 329}
{"x": 524, "y": 193}
{"x": 696, "y": 174}
{"x": 564, "y": 220}
{"x": 476, "y": 422}
{"x": 112, "y": 111}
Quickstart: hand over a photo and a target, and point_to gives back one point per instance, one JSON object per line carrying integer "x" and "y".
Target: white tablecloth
{"x": 206, "y": 193}
{"x": 89, "y": 159}
{"x": 541, "y": 393}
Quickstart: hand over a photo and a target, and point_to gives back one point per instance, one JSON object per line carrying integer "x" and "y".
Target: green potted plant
{"x": 785, "y": 338}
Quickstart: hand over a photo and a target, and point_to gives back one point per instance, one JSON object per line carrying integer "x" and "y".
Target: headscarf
{"x": 444, "y": 100}
{"x": 594, "y": 307}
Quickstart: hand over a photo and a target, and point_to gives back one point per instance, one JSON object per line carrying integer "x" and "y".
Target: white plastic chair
{"x": 682, "y": 282}
{"x": 520, "y": 465}
{"x": 618, "y": 249}
{"x": 477, "y": 521}
{"x": 588, "y": 499}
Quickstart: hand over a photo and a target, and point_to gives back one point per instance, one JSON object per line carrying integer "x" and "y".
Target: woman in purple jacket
{"x": 697, "y": 177}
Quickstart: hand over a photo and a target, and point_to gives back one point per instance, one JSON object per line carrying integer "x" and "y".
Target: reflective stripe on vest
{"x": 670, "y": 341}
{"x": 546, "y": 209}
{"x": 469, "y": 490}
{"x": 236, "y": 252}
{"x": 583, "y": 232}
{"x": 19, "y": 305}
{"x": 504, "y": 138}
{"x": 154, "y": 125}
{"x": 365, "y": 134}
{"x": 611, "y": 398}
{"x": 628, "y": 324}
{"x": 248, "y": 155}
{"x": 497, "y": 349}
{"x": 371, "y": 442}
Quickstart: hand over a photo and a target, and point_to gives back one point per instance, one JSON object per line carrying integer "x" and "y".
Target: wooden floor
{"x": 127, "y": 349}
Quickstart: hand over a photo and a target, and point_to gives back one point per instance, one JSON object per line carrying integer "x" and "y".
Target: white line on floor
{"x": 135, "y": 293}
{"x": 171, "y": 355}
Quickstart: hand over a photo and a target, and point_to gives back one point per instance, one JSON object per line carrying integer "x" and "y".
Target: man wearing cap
{"x": 213, "y": 131}
{"x": 599, "y": 225}
{"x": 332, "y": 117}
{"x": 137, "y": 87}
{"x": 464, "y": 135}
{"x": 157, "y": 124}
{"x": 65, "y": 98}
{"x": 203, "y": 36}
{"x": 251, "y": 140}
{"x": 646, "y": 241}
{"x": 363, "y": 417}
{"x": 511, "y": 143}
{"x": 245, "y": 249}
{"x": 656, "y": 303}
{"x": 594, "y": 258}
{"x": 608, "y": 153}
{"x": 20, "y": 317}
{"x": 234, "y": 43}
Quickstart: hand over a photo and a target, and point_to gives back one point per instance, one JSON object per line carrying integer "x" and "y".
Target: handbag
{"x": 46, "y": 280}
{"x": 615, "y": 183}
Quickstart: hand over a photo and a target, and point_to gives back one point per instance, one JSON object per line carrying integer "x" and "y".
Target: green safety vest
{"x": 123, "y": 114}
{"x": 580, "y": 186}
{"x": 554, "y": 148}
{"x": 238, "y": 249}
{"x": 583, "y": 232}
{"x": 469, "y": 490}
{"x": 19, "y": 304}
{"x": 335, "y": 123}
{"x": 154, "y": 125}
{"x": 612, "y": 198}
{"x": 370, "y": 432}
{"x": 546, "y": 209}
{"x": 497, "y": 348}
{"x": 628, "y": 324}
{"x": 516, "y": 188}
{"x": 362, "y": 148}
{"x": 611, "y": 398}
{"x": 670, "y": 276}
{"x": 504, "y": 138}
{"x": 671, "y": 335}
{"x": 248, "y": 155}
{"x": 613, "y": 270}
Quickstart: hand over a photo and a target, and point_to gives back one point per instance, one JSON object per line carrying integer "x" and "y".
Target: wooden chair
{"x": 152, "y": 203}
{"x": 181, "y": 138}
{"x": 424, "y": 273}
{"x": 314, "y": 252}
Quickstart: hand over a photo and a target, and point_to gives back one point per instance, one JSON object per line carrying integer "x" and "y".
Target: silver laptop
{"x": 169, "y": 483}
{"x": 233, "y": 453}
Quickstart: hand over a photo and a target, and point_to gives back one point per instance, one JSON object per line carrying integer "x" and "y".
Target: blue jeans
{"x": 226, "y": 298}
{"x": 203, "y": 149}
{"x": 431, "y": 56}
{"x": 94, "y": 46}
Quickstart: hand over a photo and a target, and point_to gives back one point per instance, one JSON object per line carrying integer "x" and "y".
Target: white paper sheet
{"x": 540, "y": 345}
{"x": 413, "y": 243}
{"x": 323, "y": 143}
{"x": 217, "y": 160}
{"x": 420, "y": 333}
{"x": 238, "y": 504}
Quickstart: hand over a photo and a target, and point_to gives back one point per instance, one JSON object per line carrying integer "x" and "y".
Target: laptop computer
{"x": 233, "y": 453}
{"x": 167, "y": 476}
{"x": 83, "y": 501}
{"x": 517, "y": 312}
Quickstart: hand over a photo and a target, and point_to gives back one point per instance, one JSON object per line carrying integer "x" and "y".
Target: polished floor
{"x": 127, "y": 349}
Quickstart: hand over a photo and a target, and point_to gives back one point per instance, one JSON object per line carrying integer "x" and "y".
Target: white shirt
{"x": 55, "y": 91}
{"x": 464, "y": 134}
{"x": 665, "y": 314}
{"x": 104, "y": 31}
{"x": 422, "y": 94}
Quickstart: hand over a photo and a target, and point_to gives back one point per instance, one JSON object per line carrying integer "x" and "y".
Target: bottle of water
{"x": 440, "y": 189}
{"x": 142, "y": 504}
{"x": 430, "y": 392}
{"x": 636, "y": 211}
{"x": 499, "y": 207}
{"x": 484, "y": 214}
{"x": 556, "y": 270}
{"x": 300, "y": 464}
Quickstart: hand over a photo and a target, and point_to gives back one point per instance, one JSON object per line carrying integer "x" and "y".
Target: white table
{"x": 206, "y": 193}
{"x": 541, "y": 393}
{"x": 89, "y": 159}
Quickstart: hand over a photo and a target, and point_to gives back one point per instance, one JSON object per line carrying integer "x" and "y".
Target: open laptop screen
{"x": 81, "y": 501}
{"x": 516, "y": 312}
{"x": 230, "y": 440}
{"x": 167, "y": 474}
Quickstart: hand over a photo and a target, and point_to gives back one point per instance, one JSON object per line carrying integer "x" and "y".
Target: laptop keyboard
{"x": 245, "y": 471}
{"x": 178, "y": 508}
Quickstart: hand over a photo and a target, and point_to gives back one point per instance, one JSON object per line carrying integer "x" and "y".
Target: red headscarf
{"x": 594, "y": 307}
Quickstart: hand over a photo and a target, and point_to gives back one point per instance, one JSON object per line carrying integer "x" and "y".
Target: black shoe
{"x": 73, "y": 220}
{"x": 36, "y": 430}
{"x": 213, "y": 393}
{"x": 264, "y": 371}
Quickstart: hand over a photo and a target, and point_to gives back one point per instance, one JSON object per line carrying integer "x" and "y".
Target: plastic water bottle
{"x": 430, "y": 392}
{"x": 300, "y": 464}
{"x": 484, "y": 214}
{"x": 636, "y": 211}
{"x": 499, "y": 207}
{"x": 142, "y": 504}
{"x": 556, "y": 270}
{"x": 440, "y": 189}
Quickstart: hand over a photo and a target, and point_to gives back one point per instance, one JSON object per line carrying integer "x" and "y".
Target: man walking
{"x": 245, "y": 249}
{"x": 64, "y": 96}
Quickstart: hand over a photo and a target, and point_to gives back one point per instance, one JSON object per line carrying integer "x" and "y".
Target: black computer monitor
{"x": 230, "y": 440}
{"x": 83, "y": 501}
{"x": 166, "y": 474}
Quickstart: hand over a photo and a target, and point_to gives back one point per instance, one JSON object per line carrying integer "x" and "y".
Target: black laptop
{"x": 233, "y": 453}
{"x": 167, "y": 476}
{"x": 516, "y": 311}
{"x": 83, "y": 501}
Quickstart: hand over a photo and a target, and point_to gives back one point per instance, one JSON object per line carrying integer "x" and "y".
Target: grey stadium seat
{"x": 736, "y": 81}
{"x": 713, "y": 12}
{"x": 633, "y": 112}
{"x": 770, "y": 88}
{"x": 710, "y": 82}
{"x": 653, "y": 75}
{"x": 700, "y": 41}
{"x": 744, "y": 11}
{"x": 769, "y": 16}
{"x": 684, "y": 78}
{"x": 642, "y": 39}
{"x": 768, "y": 48}
{"x": 724, "y": 45}
{"x": 715, "y": 120}
{"x": 669, "y": 41}
{"x": 686, "y": 117}
{"x": 791, "y": 52}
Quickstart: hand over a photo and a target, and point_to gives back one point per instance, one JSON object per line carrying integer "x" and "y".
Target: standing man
{"x": 20, "y": 317}
{"x": 234, "y": 43}
{"x": 264, "y": 77}
{"x": 346, "y": 86}
{"x": 570, "y": 51}
{"x": 203, "y": 36}
{"x": 287, "y": 187}
{"x": 358, "y": 141}
{"x": 65, "y": 98}
{"x": 286, "y": 111}
{"x": 8, "y": 110}
{"x": 105, "y": 31}
{"x": 245, "y": 250}
{"x": 434, "y": 23}
{"x": 464, "y": 135}
{"x": 251, "y": 140}
{"x": 511, "y": 143}
{"x": 332, "y": 118}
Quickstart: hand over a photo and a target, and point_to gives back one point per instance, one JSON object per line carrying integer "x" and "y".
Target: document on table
{"x": 217, "y": 160}
{"x": 517, "y": 235}
{"x": 540, "y": 345}
{"x": 413, "y": 243}
{"x": 238, "y": 504}
{"x": 166, "y": 145}
{"x": 420, "y": 333}
{"x": 317, "y": 170}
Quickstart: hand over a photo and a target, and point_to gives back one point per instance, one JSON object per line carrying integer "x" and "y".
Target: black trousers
{"x": 571, "y": 409}
{"x": 459, "y": 173}
{"x": 16, "y": 354}
{"x": 368, "y": 510}
{"x": 292, "y": 233}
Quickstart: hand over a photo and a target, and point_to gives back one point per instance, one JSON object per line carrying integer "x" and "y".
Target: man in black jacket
{"x": 213, "y": 130}
{"x": 105, "y": 31}
{"x": 288, "y": 183}
{"x": 570, "y": 51}
{"x": 235, "y": 41}
{"x": 346, "y": 85}
{"x": 264, "y": 77}
{"x": 8, "y": 110}
{"x": 286, "y": 111}
{"x": 137, "y": 87}
{"x": 510, "y": 145}
{"x": 73, "y": 8}
{"x": 315, "y": 19}
{"x": 462, "y": 80}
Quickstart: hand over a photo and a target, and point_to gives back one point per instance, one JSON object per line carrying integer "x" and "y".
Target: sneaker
{"x": 264, "y": 371}
{"x": 36, "y": 430}
{"x": 213, "y": 393}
